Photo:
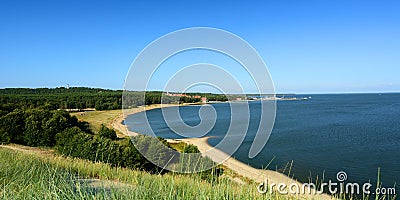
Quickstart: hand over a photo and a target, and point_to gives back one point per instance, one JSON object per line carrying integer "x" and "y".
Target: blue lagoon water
{"x": 355, "y": 133}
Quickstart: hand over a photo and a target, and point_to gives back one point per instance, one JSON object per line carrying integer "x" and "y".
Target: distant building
{"x": 204, "y": 99}
{"x": 182, "y": 95}
{"x": 177, "y": 95}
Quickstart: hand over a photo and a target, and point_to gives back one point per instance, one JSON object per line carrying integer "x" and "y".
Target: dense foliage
{"x": 82, "y": 97}
{"x": 74, "y": 142}
{"x": 190, "y": 149}
{"x": 68, "y": 136}
{"x": 107, "y": 133}
{"x": 39, "y": 127}
{"x": 35, "y": 117}
{"x": 36, "y": 127}
{"x": 60, "y": 98}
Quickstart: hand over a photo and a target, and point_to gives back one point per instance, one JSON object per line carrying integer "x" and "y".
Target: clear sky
{"x": 309, "y": 46}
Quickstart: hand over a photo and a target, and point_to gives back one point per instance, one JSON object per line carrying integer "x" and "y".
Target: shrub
{"x": 107, "y": 133}
{"x": 190, "y": 149}
{"x": 12, "y": 127}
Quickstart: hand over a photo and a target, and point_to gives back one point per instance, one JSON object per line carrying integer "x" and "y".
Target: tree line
{"x": 82, "y": 97}
{"x": 60, "y": 98}
{"x": 59, "y": 130}
{"x": 70, "y": 137}
{"x": 31, "y": 117}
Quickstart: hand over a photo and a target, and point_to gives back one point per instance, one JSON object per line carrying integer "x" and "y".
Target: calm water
{"x": 356, "y": 133}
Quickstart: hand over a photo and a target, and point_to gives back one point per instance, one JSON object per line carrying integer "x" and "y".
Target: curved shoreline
{"x": 218, "y": 156}
{"x": 118, "y": 122}
{"x": 257, "y": 175}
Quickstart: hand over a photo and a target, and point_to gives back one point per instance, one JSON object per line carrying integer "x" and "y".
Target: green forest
{"x": 83, "y": 97}
{"x": 32, "y": 117}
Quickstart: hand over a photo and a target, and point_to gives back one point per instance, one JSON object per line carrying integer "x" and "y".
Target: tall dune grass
{"x": 32, "y": 176}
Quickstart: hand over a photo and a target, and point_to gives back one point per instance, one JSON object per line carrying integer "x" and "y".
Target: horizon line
{"x": 276, "y": 93}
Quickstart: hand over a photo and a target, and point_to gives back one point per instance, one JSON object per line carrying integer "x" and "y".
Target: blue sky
{"x": 308, "y": 46}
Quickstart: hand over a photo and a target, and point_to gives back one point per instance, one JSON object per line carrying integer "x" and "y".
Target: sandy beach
{"x": 218, "y": 156}
{"x": 257, "y": 175}
{"x": 118, "y": 124}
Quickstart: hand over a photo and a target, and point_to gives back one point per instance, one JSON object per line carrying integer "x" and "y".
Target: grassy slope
{"x": 96, "y": 118}
{"x": 178, "y": 146}
{"x": 34, "y": 174}
{"x": 106, "y": 117}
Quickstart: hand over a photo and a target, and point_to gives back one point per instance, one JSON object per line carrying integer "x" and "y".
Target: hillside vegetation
{"x": 82, "y": 98}
{"x": 30, "y": 173}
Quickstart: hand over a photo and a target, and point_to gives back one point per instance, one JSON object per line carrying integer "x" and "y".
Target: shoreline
{"x": 118, "y": 124}
{"x": 218, "y": 156}
{"x": 257, "y": 175}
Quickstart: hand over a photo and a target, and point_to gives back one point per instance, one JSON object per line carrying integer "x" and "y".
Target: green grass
{"x": 179, "y": 146}
{"x": 106, "y": 117}
{"x": 27, "y": 175}
{"x": 96, "y": 118}
{"x": 32, "y": 173}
